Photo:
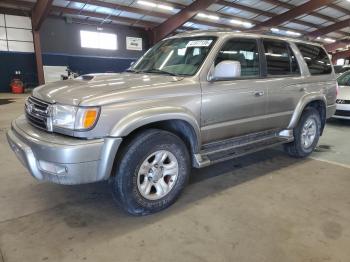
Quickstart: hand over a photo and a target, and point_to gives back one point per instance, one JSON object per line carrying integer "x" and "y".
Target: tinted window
{"x": 244, "y": 51}
{"x": 316, "y": 59}
{"x": 344, "y": 79}
{"x": 280, "y": 59}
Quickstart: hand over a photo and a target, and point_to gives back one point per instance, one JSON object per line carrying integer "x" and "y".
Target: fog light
{"x": 53, "y": 168}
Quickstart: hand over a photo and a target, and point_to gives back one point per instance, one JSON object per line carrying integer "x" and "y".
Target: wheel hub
{"x": 309, "y": 133}
{"x": 154, "y": 174}
{"x": 157, "y": 175}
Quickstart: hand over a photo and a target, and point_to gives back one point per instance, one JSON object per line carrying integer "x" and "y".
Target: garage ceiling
{"x": 324, "y": 21}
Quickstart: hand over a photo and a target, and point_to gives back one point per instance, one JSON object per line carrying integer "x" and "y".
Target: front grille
{"x": 342, "y": 101}
{"x": 37, "y": 112}
{"x": 342, "y": 113}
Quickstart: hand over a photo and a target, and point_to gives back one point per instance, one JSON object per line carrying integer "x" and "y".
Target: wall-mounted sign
{"x": 133, "y": 43}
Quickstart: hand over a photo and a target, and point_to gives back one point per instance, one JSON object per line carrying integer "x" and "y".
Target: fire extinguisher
{"x": 17, "y": 86}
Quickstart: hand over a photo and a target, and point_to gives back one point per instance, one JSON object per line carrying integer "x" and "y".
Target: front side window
{"x": 280, "y": 59}
{"x": 177, "y": 56}
{"x": 244, "y": 51}
{"x": 316, "y": 59}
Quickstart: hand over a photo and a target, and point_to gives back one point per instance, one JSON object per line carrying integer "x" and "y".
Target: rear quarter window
{"x": 316, "y": 59}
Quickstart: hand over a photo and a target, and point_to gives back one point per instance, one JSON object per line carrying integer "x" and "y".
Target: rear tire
{"x": 306, "y": 134}
{"x": 152, "y": 172}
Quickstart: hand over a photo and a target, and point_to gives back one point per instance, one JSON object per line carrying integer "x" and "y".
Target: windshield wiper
{"x": 133, "y": 71}
{"x": 155, "y": 70}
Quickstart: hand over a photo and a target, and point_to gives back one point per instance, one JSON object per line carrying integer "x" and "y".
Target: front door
{"x": 237, "y": 106}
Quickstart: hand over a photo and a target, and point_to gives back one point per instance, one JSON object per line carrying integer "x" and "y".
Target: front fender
{"x": 303, "y": 102}
{"x": 144, "y": 117}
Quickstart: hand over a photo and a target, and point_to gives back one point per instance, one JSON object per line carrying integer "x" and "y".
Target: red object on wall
{"x": 17, "y": 86}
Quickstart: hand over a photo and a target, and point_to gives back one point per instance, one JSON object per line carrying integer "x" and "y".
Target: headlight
{"x": 74, "y": 118}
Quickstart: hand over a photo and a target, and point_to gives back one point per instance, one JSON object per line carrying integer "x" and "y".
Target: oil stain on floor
{"x": 5, "y": 101}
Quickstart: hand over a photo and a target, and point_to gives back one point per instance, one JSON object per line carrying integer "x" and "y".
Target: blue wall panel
{"x": 88, "y": 64}
{"x": 11, "y": 62}
{"x": 25, "y": 62}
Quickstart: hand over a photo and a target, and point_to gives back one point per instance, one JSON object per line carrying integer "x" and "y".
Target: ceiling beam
{"x": 123, "y": 8}
{"x": 330, "y": 28}
{"x": 131, "y": 21}
{"x": 14, "y": 11}
{"x": 177, "y": 20}
{"x": 289, "y": 6}
{"x": 39, "y": 13}
{"x": 342, "y": 54}
{"x": 263, "y": 13}
{"x": 337, "y": 45}
{"x": 293, "y": 13}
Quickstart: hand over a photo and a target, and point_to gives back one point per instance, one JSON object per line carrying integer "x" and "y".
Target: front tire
{"x": 152, "y": 172}
{"x": 306, "y": 134}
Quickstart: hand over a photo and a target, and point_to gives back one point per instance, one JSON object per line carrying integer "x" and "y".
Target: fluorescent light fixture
{"x": 212, "y": 17}
{"x": 151, "y": 4}
{"x": 292, "y": 33}
{"x": 147, "y": 3}
{"x": 165, "y": 7}
{"x": 242, "y": 23}
{"x": 329, "y": 40}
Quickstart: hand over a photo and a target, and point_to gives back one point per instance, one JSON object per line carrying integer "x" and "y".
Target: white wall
{"x": 16, "y": 34}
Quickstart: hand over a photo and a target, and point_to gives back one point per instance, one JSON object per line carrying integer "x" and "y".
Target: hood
{"x": 90, "y": 87}
{"x": 344, "y": 93}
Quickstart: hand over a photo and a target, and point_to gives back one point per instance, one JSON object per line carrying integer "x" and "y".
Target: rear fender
{"x": 304, "y": 101}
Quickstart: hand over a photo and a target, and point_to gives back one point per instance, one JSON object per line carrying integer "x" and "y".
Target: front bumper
{"x": 62, "y": 159}
{"x": 342, "y": 112}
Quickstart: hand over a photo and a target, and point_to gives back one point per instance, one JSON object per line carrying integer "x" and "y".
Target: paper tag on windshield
{"x": 199, "y": 43}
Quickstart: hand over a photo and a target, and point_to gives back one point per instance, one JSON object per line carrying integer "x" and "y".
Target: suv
{"x": 192, "y": 100}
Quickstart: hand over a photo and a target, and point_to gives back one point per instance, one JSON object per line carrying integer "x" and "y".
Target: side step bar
{"x": 231, "y": 148}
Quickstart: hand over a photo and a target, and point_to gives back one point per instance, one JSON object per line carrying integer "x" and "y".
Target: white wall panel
{"x": 19, "y": 34}
{"x": 2, "y": 20}
{"x": 2, "y": 33}
{"x": 3, "y": 45}
{"x": 21, "y": 46}
{"x": 18, "y": 21}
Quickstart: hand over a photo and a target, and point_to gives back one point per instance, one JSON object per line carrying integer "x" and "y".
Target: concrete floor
{"x": 263, "y": 207}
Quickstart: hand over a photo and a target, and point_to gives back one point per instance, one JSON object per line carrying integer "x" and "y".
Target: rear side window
{"x": 280, "y": 59}
{"x": 244, "y": 51}
{"x": 316, "y": 59}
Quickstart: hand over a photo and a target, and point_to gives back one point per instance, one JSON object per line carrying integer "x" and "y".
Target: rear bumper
{"x": 61, "y": 159}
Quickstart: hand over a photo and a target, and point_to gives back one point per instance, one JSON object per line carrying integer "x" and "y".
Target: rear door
{"x": 285, "y": 86}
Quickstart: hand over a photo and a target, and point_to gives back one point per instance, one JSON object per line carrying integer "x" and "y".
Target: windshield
{"x": 177, "y": 56}
{"x": 344, "y": 79}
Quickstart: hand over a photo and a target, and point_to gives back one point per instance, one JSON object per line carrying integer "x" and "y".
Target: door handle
{"x": 259, "y": 93}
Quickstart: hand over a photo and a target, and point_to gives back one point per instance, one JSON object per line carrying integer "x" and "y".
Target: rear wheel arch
{"x": 317, "y": 102}
{"x": 320, "y": 106}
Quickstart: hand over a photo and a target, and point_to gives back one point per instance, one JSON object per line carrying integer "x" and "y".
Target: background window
{"x": 98, "y": 40}
{"x": 244, "y": 51}
{"x": 280, "y": 59}
{"x": 316, "y": 59}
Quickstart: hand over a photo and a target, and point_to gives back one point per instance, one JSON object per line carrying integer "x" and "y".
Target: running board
{"x": 231, "y": 148}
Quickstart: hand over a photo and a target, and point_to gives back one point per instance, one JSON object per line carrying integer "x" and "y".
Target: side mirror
{"x": 226, "y": 70}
